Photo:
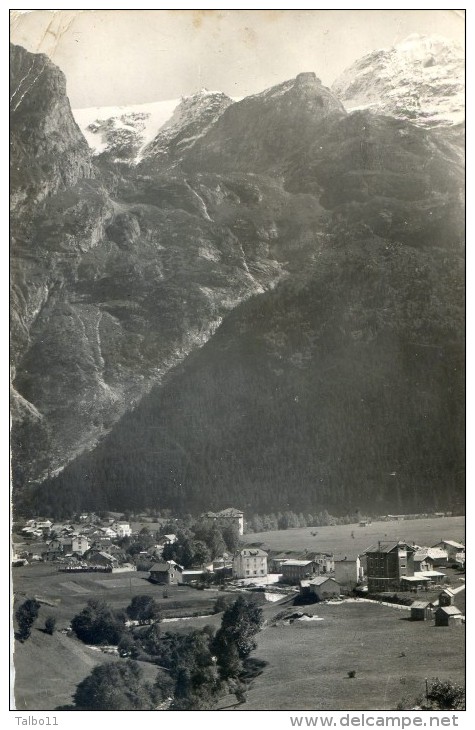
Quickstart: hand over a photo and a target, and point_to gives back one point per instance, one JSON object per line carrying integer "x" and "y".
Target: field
{"x": 48, "y": 668}
{"x": 337, "y": 539}
{"x": 308, "y": 661}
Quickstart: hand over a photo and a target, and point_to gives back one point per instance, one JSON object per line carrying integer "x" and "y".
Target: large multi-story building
{"x": 225, "y": 518}
{"x": 387, "y": 563}
{"x": 250, "y": 563}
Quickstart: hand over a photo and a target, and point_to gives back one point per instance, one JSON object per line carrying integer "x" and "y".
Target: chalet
{"x": 451, "y": 547}
{"x": 387, "y": 564}
{"x": 448, "y": 616}
{"x": 169, "y": 539}
{"x": 429, "y": 558}
{"x": 323, "y": 587}
{"x": 54, "y": 551}
{"x": 421, "y": 610}
{"x": 293, "y": 571}
{"x": 166, "y": 573}
{"x": 250, "y": 563}
{"x": 229, "y": 517}
{"x": 348, "y": 572}
{"x": 103, "y": 560}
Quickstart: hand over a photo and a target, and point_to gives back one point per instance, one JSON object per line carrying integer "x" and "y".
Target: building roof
{"x": 414, "y": 578}
{"x": 320, "y": 580}
{"x": 452, "y": 543}
{"x": 230, "y": 512}
{"x": 450, "y": 610}
{"x": 388, "y": 547}
{"x": 433, "y": 553}
{"x": 164, "y": 567}
{"x": 429, "y": 574}
{"x": 296, "y": 563}
{"x": 421, "y": 604}
{"x": 107, "y": 555}
{"x": 252, "y": 553}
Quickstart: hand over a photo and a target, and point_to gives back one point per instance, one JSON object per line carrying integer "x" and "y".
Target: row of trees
{"x": 194, "y": 669}
{"x": 288, "y": 519}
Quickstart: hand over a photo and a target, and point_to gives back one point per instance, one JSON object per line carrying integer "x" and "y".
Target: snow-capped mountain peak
{"x": 420, "y": 79}
{"x": 121, "y": 132}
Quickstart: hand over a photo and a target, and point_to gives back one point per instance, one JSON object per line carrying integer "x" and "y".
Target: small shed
{"x": 447, "y": 597}
{"x": 448, "y": 616}
{"x": 324, "y": 587}
{"x": 421, "y": 610}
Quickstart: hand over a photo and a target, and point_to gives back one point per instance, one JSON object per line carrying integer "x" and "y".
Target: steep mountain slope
{"x": 191, "y": 119}
{"x": 341, "y": 390}
{"x": 336, "y": 239}
{"x": 420, "y": 79}
{"x": 109, "y": 293}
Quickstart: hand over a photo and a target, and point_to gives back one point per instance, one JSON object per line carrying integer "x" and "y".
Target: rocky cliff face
{"x": 420, "y": 79}
{"x": 47, "y": 150}
{"x": 314, "y": 255}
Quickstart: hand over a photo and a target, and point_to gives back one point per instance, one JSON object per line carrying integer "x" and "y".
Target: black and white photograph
{"x": 237, "y": 362}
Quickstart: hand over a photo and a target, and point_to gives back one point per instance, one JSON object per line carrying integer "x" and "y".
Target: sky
{"x": 120, "y": 57}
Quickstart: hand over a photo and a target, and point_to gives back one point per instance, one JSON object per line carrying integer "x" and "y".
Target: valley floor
{"x": 308, "y": 661}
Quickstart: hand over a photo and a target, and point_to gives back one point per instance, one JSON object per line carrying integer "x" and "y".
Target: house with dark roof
{"x": 166, "y": 573}
{"x": 387, "y": 563}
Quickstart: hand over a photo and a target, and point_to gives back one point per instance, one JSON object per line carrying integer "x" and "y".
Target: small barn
{"x": 323, "y": 587}
{"x": 421, "y": 610}
{"x": 166, "y": 573}
{"x": 448, "y": 616}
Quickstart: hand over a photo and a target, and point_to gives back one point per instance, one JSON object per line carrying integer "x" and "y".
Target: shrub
{"x": 50, "y": 625}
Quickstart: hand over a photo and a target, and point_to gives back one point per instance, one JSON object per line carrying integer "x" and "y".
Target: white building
{"x": 122, "y": 529}
{"x": 250, "y": 563}
{"x": 80, "y": 544}
{"x": 348, "y": 572}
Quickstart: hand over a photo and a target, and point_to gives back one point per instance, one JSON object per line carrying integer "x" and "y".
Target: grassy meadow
{"x": 308, "y": 661}
{"x": 337, "y": 539}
